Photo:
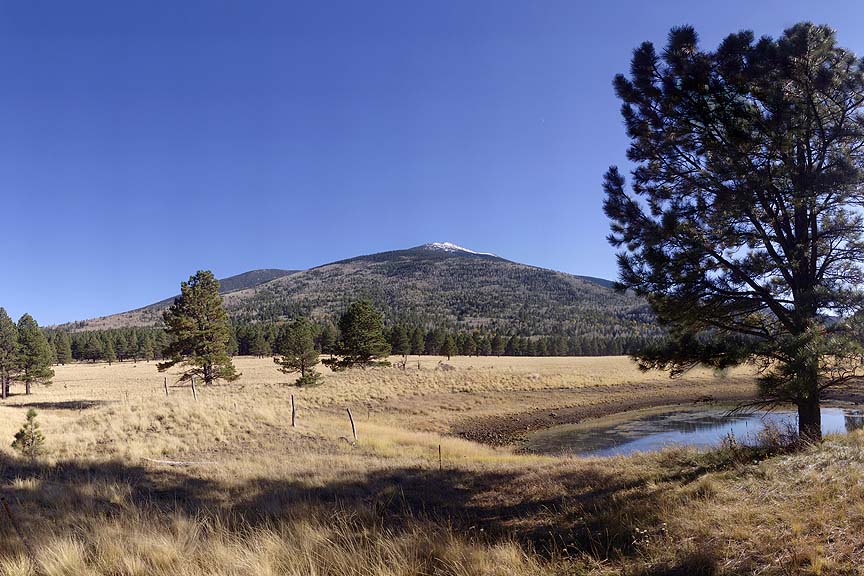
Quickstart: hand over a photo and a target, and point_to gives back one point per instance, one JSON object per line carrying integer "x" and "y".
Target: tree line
{"x": 260, "y": 339}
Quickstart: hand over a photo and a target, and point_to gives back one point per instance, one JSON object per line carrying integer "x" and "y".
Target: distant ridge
{"x": 435, "y": 284}
{"x": 152, "y": 313}
{"x": 251, "y": 278}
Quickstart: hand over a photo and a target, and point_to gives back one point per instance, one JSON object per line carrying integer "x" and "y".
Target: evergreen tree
{"x": 148, "y": 351}
{"x": 35, "y": 354}
{"x": 108, "y": 353}
{"x": 418, "y": 341}
{"x": 362, "y": 342}
{"x": 484, "y": 348}
{"x": 233, "y": 344}
{"x": 52, "y": 350}
{"x": 122, "y": 346}
{"x": 200, "y": 331}
{"x": 448, "y": 348}
{"x": 296, "y": 346}
{"x": 258, "y": 345}
{"x": 10, "y": 360}
{"x": 743, "y": 225}
{"x": 29, "y": 440}
{"x": 434, "y": 342}
{"x": 498, "y": 345}
{"x": 93, "y": 348}
{"x": 327, "y": 339}
{"x": 511, "y": 349}
{"x": 399, "y": 341}
{"x": 63, "y": 348}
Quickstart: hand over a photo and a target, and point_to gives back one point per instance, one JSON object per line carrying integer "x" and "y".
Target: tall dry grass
{"x": 266, "y": 498}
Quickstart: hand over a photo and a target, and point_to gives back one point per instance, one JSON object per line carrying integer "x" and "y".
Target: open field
{"x": 266, "y": 498}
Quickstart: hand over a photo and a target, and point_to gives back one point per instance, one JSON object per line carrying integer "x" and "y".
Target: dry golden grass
{"x": 267, "y": 498}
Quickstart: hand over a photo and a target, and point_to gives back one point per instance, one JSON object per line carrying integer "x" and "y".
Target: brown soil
{"x": 510, "y": 428}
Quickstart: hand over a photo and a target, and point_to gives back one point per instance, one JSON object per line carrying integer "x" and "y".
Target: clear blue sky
{"x": 142, "y": 141}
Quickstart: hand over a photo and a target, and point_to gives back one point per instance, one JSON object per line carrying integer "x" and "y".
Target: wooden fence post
{"x": 353, "y": 428}
{"x": 194, "y": 392}
{"x": 440, "y": 461}
{"x": 166, "y": 386}
{"x": 293, "y": 413}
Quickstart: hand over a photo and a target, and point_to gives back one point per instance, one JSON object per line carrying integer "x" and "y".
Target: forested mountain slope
{"x": 437, "y": 284}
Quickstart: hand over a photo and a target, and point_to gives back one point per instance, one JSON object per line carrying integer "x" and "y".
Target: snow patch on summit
{"x": 450, "y": 247}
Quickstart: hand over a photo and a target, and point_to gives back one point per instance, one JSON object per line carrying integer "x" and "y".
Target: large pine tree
{"x": 35, "y": 354}
{"x": 10, "y": 360}
{"x": 200, "y": 331}
{"x": 362, "y": 342}
{"x": 296, "y": 347}
{"x": 743, "y": 226}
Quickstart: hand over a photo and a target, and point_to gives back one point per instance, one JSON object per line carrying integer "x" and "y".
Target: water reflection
{"x": 642, "y": 431}
{"x": 854, "y": 420}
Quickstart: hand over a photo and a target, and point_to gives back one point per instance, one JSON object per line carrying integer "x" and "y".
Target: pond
{"x": 653, "y": 429}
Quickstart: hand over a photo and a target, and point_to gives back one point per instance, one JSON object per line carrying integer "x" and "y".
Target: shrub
{"x": 311, "y": 378}
{"x": 29, "y": 440}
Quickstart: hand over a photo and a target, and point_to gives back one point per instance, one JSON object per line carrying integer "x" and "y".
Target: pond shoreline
{"x": 511, "y": 429}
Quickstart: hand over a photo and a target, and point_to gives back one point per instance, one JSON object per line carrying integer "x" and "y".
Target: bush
{"x": 311, "y": 378}
{"x": 29, "y": 440}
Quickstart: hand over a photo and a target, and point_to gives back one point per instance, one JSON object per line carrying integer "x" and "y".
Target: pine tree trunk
{"x": 27, "y": 388}
{"x": 809, "y": 408}
{"x": 810, "y": 420}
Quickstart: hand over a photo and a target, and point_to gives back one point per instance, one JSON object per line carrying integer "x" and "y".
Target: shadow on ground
{"x": 577, "y": 510}
{"x": 70, "y": 405}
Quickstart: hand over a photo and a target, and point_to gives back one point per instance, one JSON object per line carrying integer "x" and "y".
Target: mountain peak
{"x": 450, "y": 247}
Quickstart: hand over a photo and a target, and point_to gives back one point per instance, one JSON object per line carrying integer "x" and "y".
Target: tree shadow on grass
{"x": 591, "y": 510}
{"x": 70, "y": 405}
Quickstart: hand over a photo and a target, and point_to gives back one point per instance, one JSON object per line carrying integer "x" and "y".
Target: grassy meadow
{"x": 257, "y": 496}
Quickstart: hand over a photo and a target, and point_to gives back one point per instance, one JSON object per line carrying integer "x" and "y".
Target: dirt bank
{"x": 507, "y": 429}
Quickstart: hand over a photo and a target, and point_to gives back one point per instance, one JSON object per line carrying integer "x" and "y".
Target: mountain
{"x": 250, "y": 279}
{"x": 152, "y": 313}
{"x": 436, "y": 284}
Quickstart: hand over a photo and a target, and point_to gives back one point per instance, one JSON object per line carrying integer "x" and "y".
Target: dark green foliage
{"x": 10, "y": 360}
{"x": 399, "y": 342}
{"x": 200, "y": 331}
{"x": 146, "y": 348}
{"x": 63, "y": 348}
{"x": 128, "y": 343}
{"x": 296, "y": 347}
{"x": 327, "y": 338}
{"x": 434, "y": 341}
{"x": 498, "y": 346}
{"x": 52, "y": 350}
{"x": 94, "y": 348}
{"x": 417, "y": 341}
{"x": 448, "y": 348}
{"x": 362, "y": 340}
{"x": 34, "y": 354}
{"x": 258, "y": 345}
{"x": 108, "y": 350}
{"x": 29, "y": 440}
{"x": 87, "y": 346}
{"x": 311, "y": 378}
{"x": 743, "y": 226}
